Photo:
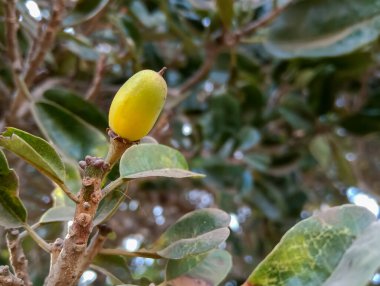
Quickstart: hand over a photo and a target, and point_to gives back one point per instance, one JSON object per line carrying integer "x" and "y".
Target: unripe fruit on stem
{"x": 137, "y": 105}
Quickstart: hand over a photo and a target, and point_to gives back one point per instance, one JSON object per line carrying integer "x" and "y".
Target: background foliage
{"x": 282, "y": 117}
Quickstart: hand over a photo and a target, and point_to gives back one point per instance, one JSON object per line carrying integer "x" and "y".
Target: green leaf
{"x": 149, "y": 160}
{"x": 329, "y": 28}
{"x": 35, "y": 151}
{"x": 58, "y": 214}
{"x": 84, "y": 11}
{"x": 194, "y": 233}
{"x": 115, "y": 266}
{"x": 109, "y": 205}
{"x": 113, "y": 279}
{"x": 77, "y": 105}
{"x": 248, "y": 138}
{"x": 226, "y": 11}
{"x": 310, "y": 251}
{"x": 71, "y": 134}
{"x": 83, "y": 51}
{"x": 360, "y": 262}
{"x": 320, "y": 149}
{"x": 211, "y": 267}
{"x": 13, "y": 212}
{"x": 343, "y": 167}
{"x": 361, "y": 124}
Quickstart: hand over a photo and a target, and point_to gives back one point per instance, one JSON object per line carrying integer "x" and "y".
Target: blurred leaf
{"x": 13, "y": 212}
{"x": 310, "y": 251}
{"x": 220, "y": 172}
{"x": 203, "y": 4}
{"x": 35, "y": 151}
{"x": 360, "y": 262}
{"x": 361, "y": 124}
{"x": 329, "y": 28}
{"x": 130, "y": 29}
{"x": 70, "y": 133}
{"x": 84, "y": 11}
{"x": 260, "y": 162}
{"x": 343, "y": 167}
{"x": 77, "y": 105}
{"x": 83, "y": 51}
{"x": 194, "y": 233}
{"x": 226, "y": 11}
{"x": 320, "y": 149}
{"x": 284, "y": 164}
{"x": 149, "y": 160}
{"x": 211, "y": 267}
{"x": 216, "y": 125}
{"x": 295, "y": 119}
{"x": 248, "y": 138}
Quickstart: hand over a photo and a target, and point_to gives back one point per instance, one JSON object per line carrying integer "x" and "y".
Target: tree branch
{"x": 41, "y": 243}
{"x": 210, "y": 56}
{"x": 95, "y": 246}
{"x": 123, "y": 252}
{"x": 97, "y": 80}
{"x": 55, "y": 250}
{"x": 8, "y": 279}
{"x": 253, "y": 26}
{"x": 17, "y": 257}
{"x": 47, "y": 40}
{"x": 40, "y": 47}
{"x": 11, "y": 27}
{"x": 73, "y": 197}
{"x": 111, "y": 186}
{"x": 68, "y": 265}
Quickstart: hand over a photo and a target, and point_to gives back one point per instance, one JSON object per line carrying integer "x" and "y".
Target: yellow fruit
{"x": 137, "y": 105}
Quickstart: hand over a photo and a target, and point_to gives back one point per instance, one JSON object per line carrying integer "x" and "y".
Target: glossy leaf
{"x": 77, "y": 105}
{"x": 150, "y": 160}
{"x": 310, "y": 251}
{"x": 211, "y": 267}
{"x": 113, "y": 279}
{"x": 35, "y": 151}
{"x": 360, "y": 262}
{"x": 13, "y": 212}
{"x": 115, "y": 267}
{"x": 109, "y": 205}
{"x": 84, "y": 11}
{"x": 194, "y": 233}
{"x": 58, "y": 214}
{"x": 329, "y": 28}
{"x": 70, "y": 133}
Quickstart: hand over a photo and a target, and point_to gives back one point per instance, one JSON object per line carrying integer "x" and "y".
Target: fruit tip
{"x": 162, "y": 71}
